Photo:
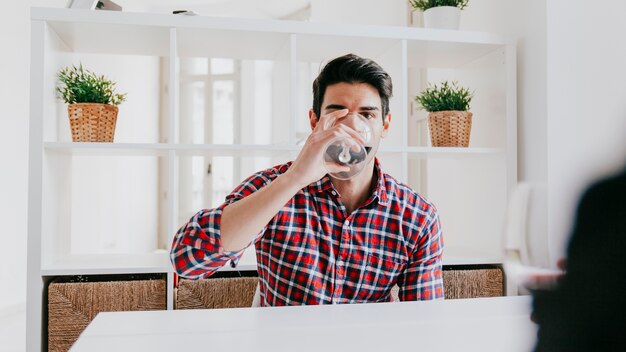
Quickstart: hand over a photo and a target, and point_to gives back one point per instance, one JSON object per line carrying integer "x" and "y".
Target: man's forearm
{"x": 242, "y": 220}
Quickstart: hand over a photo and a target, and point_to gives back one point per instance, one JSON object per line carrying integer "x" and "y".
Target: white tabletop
{"x": 483, "y": 324}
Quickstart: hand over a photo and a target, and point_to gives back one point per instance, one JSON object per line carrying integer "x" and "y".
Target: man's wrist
{"x": 290, "y": 182}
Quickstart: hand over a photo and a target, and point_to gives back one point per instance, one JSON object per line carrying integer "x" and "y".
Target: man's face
{"x": 361, "y": 98}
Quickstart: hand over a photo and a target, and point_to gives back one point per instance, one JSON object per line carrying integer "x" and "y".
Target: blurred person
{"x": 585, "y": 310}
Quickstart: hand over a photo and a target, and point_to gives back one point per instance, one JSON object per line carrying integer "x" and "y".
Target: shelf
{"x": 466, "y": 255}
{"x": 109, "y": 264}
{"x": 96, "y": 264}
{"x": 89, "y": 197}
{"x": 100, "y": 32}
{"x": 162, "y": 149}
{"x": 107, "y": 149}
{"x": 148, "y": 34}
{"x": 319, "y": 48}
{"x": 228, "y": 43}
{"x": 470, "y": 260}
{"x": 159, "y": 263}
{"x": 441, "y": 152}
{"x": 422, "y": 54}
{"x": 241, "y": 150}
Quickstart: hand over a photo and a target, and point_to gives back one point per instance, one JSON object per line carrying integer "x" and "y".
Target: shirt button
{"x": 340, "y": 263}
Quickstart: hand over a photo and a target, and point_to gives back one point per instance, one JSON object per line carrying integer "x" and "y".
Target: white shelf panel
{"x": 110, "y": 264}
{"x": 105, "y": 38}
{"x": 237, "y": 44}
{"x": 441, "y": 152}
{"x": 148, "y": 20}
{"x": 107, "y": 149}
{"x": 462, "y": 255}
{"x": 469, "y": 260}
{"x": 148, "y": 34}
{"x": 162, "y": 149}
{"x": 234, "y": 149}
{"x": 322, "y": 48}
{"x": 422, "y": 54}
{"x": 105, "y": 264}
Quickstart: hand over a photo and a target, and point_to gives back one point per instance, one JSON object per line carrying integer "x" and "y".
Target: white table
{"x": 483, "y": 324}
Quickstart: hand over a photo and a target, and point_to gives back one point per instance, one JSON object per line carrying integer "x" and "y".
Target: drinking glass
{"x": 345, "y": 156}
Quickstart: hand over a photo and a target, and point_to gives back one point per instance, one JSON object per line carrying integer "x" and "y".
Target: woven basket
{"x": 72, "y": 305}
{"x": 232, "y": 292}
{"x": 450, "y": 128}
{"x": 473, "y": 283}
{"x": 92, "y": 122}
{"x": 469, "y": 283}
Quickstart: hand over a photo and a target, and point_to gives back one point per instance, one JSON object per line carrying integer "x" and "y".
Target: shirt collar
{"x": 380, "y": 192}
{"x": 321, "y": 185}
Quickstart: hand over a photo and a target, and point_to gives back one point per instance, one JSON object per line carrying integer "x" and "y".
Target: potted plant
{"x": 443, "y": 14}
{"x": 449, "y": 118}
{"x": 92, "y": 100}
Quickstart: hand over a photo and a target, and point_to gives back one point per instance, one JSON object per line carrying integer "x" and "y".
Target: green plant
{"x": 78, "y": 85}
{"x": 444, "y": 96}
{"x": 426, "y": 4}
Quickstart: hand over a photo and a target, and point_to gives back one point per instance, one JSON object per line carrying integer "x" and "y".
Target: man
{"x": 318, "y": 239}
{"x": 586, "y": 310}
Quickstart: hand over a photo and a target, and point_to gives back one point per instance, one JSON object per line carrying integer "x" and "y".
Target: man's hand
{"x": 309, "y": 165}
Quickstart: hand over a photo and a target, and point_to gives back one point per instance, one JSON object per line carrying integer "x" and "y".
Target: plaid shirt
{"x": 314, "y": 252}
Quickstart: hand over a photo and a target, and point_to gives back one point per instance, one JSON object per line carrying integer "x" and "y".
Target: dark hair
{"x": 586, "y": 311}
{"x": 351, "y": 68}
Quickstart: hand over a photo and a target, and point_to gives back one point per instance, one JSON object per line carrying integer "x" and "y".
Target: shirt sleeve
{"x": 197, "y": 250}
{"x": 423, "y": 279}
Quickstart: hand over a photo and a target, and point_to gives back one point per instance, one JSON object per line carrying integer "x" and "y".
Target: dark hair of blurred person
{"x": 586, "y": 310}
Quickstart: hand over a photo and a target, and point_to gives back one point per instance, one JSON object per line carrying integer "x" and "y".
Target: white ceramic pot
{"x": 442, "y": 17}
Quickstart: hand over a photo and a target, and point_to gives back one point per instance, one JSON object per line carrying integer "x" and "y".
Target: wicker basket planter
{"x": 92, "y": 122}
{"x": 450, "y": 128}
{"x": 72, "y": 305}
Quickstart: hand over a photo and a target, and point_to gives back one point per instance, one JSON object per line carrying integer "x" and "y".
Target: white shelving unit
{"x": 469, "y": 185}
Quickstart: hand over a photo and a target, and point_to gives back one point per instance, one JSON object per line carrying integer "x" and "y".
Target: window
{"x": 209, "y": 101}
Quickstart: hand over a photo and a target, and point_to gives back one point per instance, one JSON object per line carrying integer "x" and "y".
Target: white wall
{"x": 14, "y": 91}
{"x": 14, "y": 99}
{"x": 525, "y": 21}
{"x": 376, "y": 12}
{"x": 13, "y": 134}
{"x": 586, "y": 122}
{"x": 571, "y": 107}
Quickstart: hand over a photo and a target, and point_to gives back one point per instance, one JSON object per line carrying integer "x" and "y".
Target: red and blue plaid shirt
{"x": 314, "y": 252}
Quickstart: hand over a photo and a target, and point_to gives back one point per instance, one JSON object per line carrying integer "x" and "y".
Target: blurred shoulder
{"x": 607, "y": 192}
